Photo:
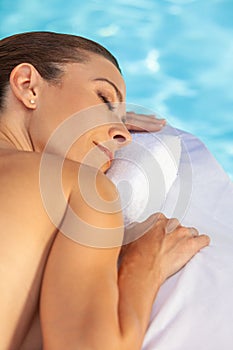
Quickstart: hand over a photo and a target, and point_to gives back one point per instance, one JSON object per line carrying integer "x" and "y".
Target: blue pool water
{"x": 176, "y": 55}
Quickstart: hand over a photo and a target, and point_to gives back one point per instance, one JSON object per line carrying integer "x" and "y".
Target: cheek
{"x": 64, "y": 102}
{"x": 69, "y": 104}
{"x": 76, "y": 98}
{"x": 57, "y": 107}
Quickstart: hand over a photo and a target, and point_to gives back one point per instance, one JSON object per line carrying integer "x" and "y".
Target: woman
{"x": 57, "y": 288}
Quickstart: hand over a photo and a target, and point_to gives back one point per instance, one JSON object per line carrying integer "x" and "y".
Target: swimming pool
{"x": 176, "y": 55}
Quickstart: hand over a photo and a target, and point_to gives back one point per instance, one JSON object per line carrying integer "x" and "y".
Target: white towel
{"x": 144, "y": 172}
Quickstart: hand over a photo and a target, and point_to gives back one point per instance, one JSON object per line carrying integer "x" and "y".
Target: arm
{"x": 79, "y": 297}
{"x": 148, "y": 261}
{"x": 86, "y": 303}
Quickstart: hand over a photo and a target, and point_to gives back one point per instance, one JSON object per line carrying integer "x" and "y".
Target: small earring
{"x": 32, "y": 102}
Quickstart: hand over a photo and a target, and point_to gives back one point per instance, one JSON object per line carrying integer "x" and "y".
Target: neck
{"x": 13, "y": 132}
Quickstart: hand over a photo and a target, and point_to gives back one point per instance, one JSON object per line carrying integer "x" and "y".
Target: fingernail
{"x": 194, "y": 232}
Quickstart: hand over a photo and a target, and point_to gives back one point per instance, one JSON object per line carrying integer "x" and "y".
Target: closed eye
{"x": 106, "y": 101}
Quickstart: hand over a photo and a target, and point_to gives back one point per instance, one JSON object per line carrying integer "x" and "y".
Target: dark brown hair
{"x": 47, "y": 52}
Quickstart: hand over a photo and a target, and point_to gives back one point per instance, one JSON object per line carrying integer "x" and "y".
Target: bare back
{"x": 26, "y": 238}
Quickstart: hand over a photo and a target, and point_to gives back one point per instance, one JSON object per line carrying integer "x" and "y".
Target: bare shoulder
{"x": 37, "y": 188}
{"x": 93, "y": 207}
{"x": 83, "y": 177}
{"x": 19, "y": 183}
{"x": 47, "y": 180}
{"x": 92, "y": 194}
{"x": 22, "y": 186}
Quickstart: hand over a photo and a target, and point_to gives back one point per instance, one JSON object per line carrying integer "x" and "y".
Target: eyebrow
{"x": 119, "y": 94}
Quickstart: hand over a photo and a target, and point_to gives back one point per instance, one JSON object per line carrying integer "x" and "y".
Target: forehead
{"x": 96, "y": 67}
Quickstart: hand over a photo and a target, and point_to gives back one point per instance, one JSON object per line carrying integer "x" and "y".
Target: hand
{"x": 143, "y": 122}
{"x": 163, "y": 248}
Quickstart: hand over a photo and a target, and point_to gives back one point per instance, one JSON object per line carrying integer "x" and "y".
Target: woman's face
{"x": 86, "y": 109}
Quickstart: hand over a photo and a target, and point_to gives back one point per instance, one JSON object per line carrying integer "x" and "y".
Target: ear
{"x": 24, "y": 82}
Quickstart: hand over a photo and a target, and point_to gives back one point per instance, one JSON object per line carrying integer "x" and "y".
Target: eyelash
{"x": 105, "y": 100}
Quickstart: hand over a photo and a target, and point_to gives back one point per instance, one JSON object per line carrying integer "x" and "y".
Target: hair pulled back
{"x": 47, "y": 52}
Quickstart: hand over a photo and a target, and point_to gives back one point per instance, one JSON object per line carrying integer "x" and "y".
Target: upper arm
{"x": 94, "y": 216}
{"x": 79, "y": 292}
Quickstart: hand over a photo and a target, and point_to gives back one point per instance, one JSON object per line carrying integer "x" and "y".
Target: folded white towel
{"x": 144, "y": 172}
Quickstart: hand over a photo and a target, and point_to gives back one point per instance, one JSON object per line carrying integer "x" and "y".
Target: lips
{"x": 108, "y": 153}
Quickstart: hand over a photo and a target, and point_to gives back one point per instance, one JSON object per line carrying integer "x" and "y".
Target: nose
{"x": 120, "y": 135}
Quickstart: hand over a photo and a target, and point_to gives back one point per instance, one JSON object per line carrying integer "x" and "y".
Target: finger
{"x": 143, "y": 122}
{"x": 131, "y": 114}
{"x": 144, "y": 128}
{"x": 172, "y": 224}
{"x": 148, "y": 117}
{"x": 182, "y": 231}
{"x": 200, "y": 242}
{"x": 193, "y": 231}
